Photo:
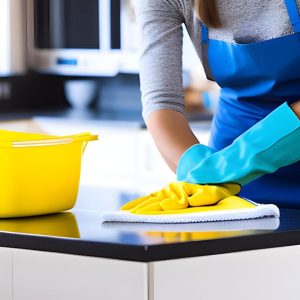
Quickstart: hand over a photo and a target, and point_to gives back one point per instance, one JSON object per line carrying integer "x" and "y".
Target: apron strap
{"x": 294, "y": 15}
{"x": 204, "y": 52}
{"x": 204, "y": 34}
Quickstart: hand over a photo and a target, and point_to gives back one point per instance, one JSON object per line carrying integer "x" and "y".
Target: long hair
{"x": 208, "y": 12}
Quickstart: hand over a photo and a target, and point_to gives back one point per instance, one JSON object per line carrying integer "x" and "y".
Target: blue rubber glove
{"x": 272, "y": 143}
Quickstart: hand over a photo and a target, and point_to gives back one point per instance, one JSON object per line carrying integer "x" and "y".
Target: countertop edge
{"x": 149, "y": 253}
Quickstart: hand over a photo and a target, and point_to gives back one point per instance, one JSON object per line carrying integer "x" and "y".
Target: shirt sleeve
{"x": 160, "y": 24}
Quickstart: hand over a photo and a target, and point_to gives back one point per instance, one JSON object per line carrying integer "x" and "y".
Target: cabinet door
{"x": 52, "y": 276}
{"x": 6, "y": 274}
{"x": 269, "y": 274}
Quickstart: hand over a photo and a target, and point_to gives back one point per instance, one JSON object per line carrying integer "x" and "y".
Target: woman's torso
{"x": 243, "y": 22}
{"x": 256, "y": 77}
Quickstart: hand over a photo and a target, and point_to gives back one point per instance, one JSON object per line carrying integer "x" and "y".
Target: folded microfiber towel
{"x": 266, "y": 223}
{"x": 222, "y": 211}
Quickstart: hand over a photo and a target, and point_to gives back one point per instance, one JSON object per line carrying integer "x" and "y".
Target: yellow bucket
{"x": 39, "y": 173}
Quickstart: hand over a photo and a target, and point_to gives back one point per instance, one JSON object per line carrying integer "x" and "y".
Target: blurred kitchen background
{"x": 72, "y": 65}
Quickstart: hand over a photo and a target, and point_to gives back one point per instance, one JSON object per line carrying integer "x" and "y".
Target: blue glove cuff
{"x": 196, "y": 153}
{"x": 270, "y": 144}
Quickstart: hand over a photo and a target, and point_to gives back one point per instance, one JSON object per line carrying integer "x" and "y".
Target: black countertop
{"x": 81, "y": 232}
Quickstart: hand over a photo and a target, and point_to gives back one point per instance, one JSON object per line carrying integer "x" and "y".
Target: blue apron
{"x": 255, "y": 79}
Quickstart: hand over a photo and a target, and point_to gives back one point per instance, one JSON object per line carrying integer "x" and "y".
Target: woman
{"x": 252, "y": 50}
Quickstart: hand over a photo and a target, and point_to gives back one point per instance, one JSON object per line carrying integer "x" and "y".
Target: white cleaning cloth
{"x": 259, "y": 211}
{"x": 266, "y": 223}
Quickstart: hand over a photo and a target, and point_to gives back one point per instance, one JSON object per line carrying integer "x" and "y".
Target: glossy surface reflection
{"x": 56, "y": 225}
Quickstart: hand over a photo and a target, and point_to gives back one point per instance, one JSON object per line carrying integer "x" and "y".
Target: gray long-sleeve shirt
{"x": 243, "y": 21}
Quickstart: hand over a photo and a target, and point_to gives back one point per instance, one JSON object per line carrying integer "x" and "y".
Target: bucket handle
{"x": 52, "y": 141}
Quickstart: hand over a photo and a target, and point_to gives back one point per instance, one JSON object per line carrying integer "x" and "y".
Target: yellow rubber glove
{"x": 181, "y": 195}
{"x": 229, "y": 203}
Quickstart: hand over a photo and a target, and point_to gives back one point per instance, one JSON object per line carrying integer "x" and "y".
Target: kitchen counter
{"x": 81, "y": 232}
{"x": 72, "y": 255}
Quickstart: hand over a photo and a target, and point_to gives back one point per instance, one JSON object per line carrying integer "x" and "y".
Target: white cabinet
{"x": 6, "y": 275}
{"x": 269, "y": 274}
{"x": 52, "y": 276}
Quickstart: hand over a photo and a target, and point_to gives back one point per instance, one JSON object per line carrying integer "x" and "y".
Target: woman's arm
{"x": 172, "y": 135}
{"x": 161, "y": 78}
{"x": 161, "y": 22}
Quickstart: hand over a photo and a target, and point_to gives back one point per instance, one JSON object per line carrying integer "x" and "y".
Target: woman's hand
{"x": 296, "y": 108}
{"x": 172, "y": 135}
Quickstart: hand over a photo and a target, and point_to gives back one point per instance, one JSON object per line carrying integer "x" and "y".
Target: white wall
{"x": 12, "y": 36}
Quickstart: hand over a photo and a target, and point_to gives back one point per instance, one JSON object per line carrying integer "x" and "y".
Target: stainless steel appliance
{"x": 75, "y": 37}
